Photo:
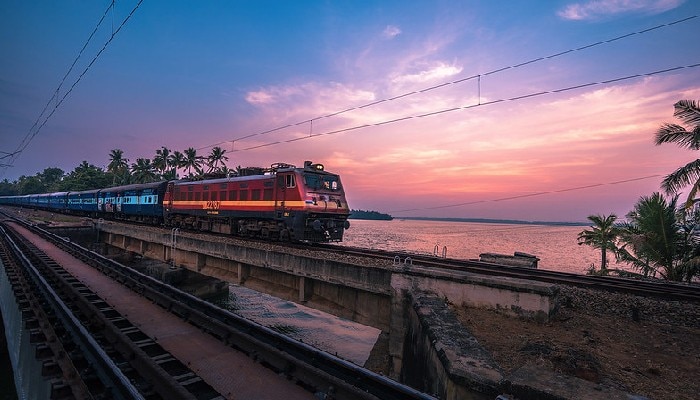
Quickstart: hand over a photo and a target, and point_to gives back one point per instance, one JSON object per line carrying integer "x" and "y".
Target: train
{"x": 283, "y": 202}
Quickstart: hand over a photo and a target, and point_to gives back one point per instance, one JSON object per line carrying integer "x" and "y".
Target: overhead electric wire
{"x": 30, "y": 136}
{"x": 516, "y": 98}
{"x": 525, "y": 195}
{"x": 461, "y": 80}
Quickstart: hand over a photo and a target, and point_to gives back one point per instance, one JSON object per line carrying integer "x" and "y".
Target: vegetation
{"x": 689, "y": 174}
{"x": 659, "y": 238}
{"x": 603, "y": 236}
{"x": 164, "y": 165}
{"x": 374, "y": 215}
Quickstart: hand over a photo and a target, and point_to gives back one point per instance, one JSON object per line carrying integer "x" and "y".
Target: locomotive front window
{"x": 328, "y": 182}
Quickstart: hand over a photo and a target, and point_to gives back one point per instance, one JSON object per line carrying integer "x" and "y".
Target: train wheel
{"x": 284, "y": 235}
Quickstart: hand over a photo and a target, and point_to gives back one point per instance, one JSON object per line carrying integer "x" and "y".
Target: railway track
{"x": 318, "y": 371}
{"x": 655, "y": 289}
{"x": 107, "y": 356}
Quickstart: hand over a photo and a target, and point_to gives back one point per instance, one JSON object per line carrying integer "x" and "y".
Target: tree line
{"x": 165, "y": 165}
{"x": 660, "y": 237}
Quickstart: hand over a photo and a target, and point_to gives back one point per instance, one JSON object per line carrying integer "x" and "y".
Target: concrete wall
{"x": 381, "y": 297}
{"x": 445, "y": 359}
{"x": 30, "y": 383}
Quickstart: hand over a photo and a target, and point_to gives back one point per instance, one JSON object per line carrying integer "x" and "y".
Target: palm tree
{"x": 656, "y": 239}
{"x": 161, "y": 160}
{"x": 118, "y": 166}
{"x": 603, "y": 236}
{"x": 143, "y": 171}
{"x": 176, "y": 161}
{"x": 192, "y": 161}
{"x": 215, "y": 158}
{"x": 689, "y": 113}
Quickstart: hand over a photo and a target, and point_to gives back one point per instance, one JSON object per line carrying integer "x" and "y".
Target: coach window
{"x": 291, "y": 181}
{"x": 232, "y": 195}
{"x": 197, "y": 196}
{"x": 255, "y": 195}
{"x": 267, "y": 194}
{"x": 244, "y": 195}
{"x": 205, "y": 196}
{"x": 213, "y": 196}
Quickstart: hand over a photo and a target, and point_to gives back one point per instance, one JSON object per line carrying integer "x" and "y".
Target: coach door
{"x": 280, "y": 195}
{"x": 169, "y": 194}
{"x": 286, "y": 183}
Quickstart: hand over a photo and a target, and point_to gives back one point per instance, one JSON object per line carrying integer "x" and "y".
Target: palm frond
{"x": 691, "y": 196}
{"x": 687, "y": 111}
{"x": 674, "y": 133}
{"x": 688, "y": 174}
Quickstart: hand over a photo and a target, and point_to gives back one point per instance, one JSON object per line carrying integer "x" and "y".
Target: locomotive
{"x": 283, "y": 202}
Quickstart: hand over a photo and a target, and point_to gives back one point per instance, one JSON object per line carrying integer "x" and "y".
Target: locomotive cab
{"x": 325, "y": 206}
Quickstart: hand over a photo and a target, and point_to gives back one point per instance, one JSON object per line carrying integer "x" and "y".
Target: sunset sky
{"x": 483, "y": 109}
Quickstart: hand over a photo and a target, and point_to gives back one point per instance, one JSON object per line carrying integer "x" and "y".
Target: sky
{"x": 530, "y": 110}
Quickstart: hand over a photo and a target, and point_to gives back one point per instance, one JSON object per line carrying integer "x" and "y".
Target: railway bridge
{"x": 404, "y": 299}
{"x": 409, "y": 300}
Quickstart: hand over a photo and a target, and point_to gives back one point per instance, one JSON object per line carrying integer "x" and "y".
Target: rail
{"x": 656, "y": 289}
{"x": 311, "y": 367}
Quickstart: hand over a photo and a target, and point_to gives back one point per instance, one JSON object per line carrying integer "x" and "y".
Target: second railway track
{"x": 647, "y": 288}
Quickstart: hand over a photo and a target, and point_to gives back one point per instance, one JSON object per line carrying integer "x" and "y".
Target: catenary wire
{"x": 60, "y": 84}
{"x": 525, "y": 195}
{"x": 14, "y": 155}
{"x": 471, "y": 106}
{"x": 461, "y": 80}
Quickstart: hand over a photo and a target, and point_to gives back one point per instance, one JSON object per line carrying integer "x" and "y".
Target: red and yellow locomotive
{"x": 280, "y": 203}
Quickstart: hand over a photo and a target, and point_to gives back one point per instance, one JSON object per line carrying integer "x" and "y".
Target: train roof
{"x": 255, "y": 173}
{"x": 134, "y": 186}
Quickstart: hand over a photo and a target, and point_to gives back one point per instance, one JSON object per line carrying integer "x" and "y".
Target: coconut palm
{"x": 216, "y": 157}
{"x": 161, "y": 160}
{"x": 176, "y": 161}
{"x": 658, "y": 241}
{"x": 689, "y": 113}
{"x": 118, "y": 166}
{"x": 143, "y": 171}
{"x": 603, "y": 236}
{"x": 192, "y": 161}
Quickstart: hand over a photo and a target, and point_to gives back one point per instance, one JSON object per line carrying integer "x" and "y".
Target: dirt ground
{"x": 658, "y": 361}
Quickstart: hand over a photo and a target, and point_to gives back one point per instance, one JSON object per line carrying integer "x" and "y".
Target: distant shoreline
{"x": 495, "y": 221}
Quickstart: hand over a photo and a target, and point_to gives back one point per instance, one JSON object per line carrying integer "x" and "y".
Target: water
{"x": 341, "y": 337}
{"x": 556, "y": 246}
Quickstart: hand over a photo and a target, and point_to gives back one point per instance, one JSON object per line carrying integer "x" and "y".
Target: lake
{"x": 556, "y": 246}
